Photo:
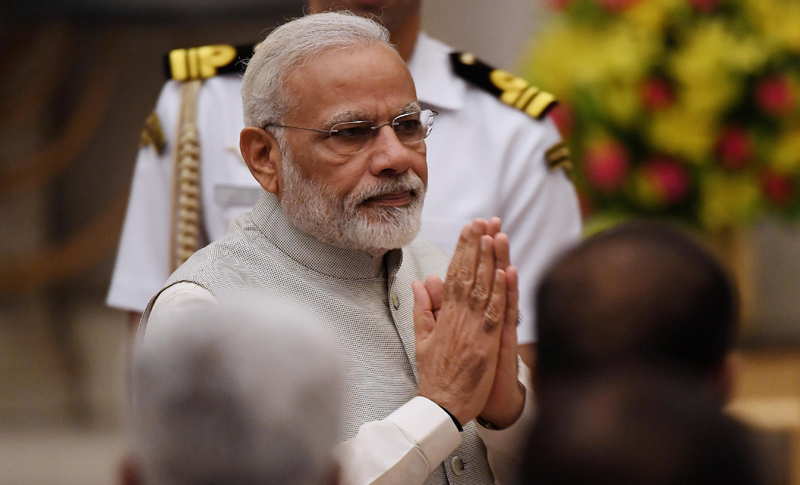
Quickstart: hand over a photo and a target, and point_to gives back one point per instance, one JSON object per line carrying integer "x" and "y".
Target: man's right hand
{"x": 458, "y": 326}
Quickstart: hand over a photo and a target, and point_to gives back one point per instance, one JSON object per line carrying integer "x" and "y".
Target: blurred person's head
{"x": 237, "y": 395}
{"x": 634, "y": 428}
{"x": 396, "y": 15}
{"x": 640, "y": 293}
{"x": 334, "y": 130}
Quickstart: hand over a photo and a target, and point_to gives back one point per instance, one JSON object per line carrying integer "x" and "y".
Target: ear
{"x": 732, "y": 367}
{"x": 130, "y": 472}
{"x": 334, "y": 475}
{"x": 262, "y": 154}
{"x": 725, "y": 377}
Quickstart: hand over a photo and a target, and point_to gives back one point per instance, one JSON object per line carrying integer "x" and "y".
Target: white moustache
{"x": 408, "y": 183}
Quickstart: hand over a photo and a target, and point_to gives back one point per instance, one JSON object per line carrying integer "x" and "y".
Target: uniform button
{"x": 395, "y": 300}
{"x": 457, "y": 464}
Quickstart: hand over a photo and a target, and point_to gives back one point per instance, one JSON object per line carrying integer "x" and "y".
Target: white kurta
{"x": 484, "y": 159}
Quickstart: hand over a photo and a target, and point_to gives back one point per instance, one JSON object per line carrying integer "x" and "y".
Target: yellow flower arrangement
{"x": 686, "y": 109}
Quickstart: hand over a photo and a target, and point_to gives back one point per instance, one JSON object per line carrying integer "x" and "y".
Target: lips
{"x": 393, "y": 199}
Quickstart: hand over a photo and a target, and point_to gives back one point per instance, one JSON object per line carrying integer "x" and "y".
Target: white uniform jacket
{"x": 484, "y": 159}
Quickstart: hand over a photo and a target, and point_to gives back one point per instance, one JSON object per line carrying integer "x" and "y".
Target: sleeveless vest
{"x": 370, "y": 316}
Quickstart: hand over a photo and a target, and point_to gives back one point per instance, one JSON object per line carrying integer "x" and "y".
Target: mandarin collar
{"x": 318, "y": 256}
{"x": 436, "y": 83}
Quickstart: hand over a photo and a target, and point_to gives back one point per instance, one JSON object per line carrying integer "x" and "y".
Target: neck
{"x": 405, "y": 37}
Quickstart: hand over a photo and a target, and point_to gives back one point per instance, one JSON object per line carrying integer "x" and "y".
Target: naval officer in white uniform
{"x": 493, "y": 152}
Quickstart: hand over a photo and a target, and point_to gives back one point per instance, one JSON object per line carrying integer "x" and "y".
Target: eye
{"x": 407, "y": 126}
{"x": 351, "y": 132}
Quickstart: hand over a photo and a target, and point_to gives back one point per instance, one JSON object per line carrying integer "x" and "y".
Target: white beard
{"x": 317, "y": 210}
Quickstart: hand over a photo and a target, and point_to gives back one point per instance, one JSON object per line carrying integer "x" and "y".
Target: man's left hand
{"x": 507, "y": 398}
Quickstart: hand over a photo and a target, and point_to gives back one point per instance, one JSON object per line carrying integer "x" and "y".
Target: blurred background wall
{"x": 77, "y": 80}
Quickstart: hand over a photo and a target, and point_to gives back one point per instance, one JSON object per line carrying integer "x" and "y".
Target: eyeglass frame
{"x": 373, "y": 128}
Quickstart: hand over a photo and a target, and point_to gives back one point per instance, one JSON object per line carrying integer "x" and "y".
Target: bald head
{"x": 642, "y": 293}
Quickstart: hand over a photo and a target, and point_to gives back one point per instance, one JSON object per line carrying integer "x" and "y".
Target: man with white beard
{"x": 335, "y": 137}
{"x": 495, "y": 152}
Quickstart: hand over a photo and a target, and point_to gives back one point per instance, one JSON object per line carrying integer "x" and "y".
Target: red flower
{"x": 735, "y": 148}
{"x": 704, "y": 6}
{"x": 668, "y": 178}
{"x": 564, "y": 118}
{"x": 617, "y": 6}
{"x": 559, "y": 4}
{"x": 777, "y": 187}
{"x": 607, "y": 164}
{"x": 775, "y": 96}
{"x": 657, "y": 94}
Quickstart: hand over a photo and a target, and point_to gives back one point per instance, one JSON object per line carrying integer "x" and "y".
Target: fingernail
{"x": 484, "y": 243}
{"x": 477, "y": 228}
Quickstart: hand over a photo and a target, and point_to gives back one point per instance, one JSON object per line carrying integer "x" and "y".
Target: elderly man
{"x": 243, "y": 393}
{"x": 335, "y": 137}
{"x": 495, "y": 152}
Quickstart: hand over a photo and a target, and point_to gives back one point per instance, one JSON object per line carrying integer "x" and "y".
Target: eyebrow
{"x": 348, "y": 115}
{"x": 345, "y": 116}
{"x": 412, "y": 107}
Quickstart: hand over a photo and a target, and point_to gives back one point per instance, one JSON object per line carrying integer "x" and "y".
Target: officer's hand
{"x": 459, "y": 324}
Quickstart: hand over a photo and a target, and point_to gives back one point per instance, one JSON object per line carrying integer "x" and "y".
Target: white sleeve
{"x": 403, "y": 449}
{"x": 541, "y": 213}
{"x": 503, "y": 447}
{"x": 142, "y": 264}
{"x": 178, "y": 298}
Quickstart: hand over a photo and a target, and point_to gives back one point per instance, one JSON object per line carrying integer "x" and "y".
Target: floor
{"x": 60, "y": 457}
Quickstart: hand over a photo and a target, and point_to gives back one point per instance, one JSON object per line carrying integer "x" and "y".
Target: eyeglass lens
{"x": 410, "y": 128}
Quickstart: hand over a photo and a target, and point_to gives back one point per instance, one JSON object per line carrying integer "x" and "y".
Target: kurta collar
{"x": 437, "y": 85}
{"x": 314, "y": 254}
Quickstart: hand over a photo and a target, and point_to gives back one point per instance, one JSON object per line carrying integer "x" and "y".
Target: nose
{"x": 387, "y": 155}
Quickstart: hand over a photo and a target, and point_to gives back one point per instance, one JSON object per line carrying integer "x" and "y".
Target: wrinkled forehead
{"x": 356, "y": 83}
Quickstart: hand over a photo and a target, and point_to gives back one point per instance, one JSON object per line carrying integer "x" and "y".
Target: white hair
{"x": 289, "y": 46}
{"x": 237, "y": 394}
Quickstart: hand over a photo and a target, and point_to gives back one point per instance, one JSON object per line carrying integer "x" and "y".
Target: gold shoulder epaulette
{"x": 508, "y": 88}
{"x": 206, "y": 61}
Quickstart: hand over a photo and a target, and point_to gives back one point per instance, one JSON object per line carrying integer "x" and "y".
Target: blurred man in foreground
{"x": 634, "y": 365}
{"x": 335, "y": 138}
{"x": 237, "y": 394}
{"x": 640, "y": 294}
{"x": 635, "y": 427}
{"x": 494, "y": 153}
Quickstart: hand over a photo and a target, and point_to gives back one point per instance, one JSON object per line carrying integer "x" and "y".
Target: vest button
{"x": 457, "y": 464}
{"x": 395, "y": 300}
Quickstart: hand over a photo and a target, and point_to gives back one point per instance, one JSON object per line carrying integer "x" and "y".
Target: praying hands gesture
{"x": 466, "y": 332}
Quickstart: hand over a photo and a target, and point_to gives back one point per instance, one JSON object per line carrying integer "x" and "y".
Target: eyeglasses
{"x": 353, "y": 136}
